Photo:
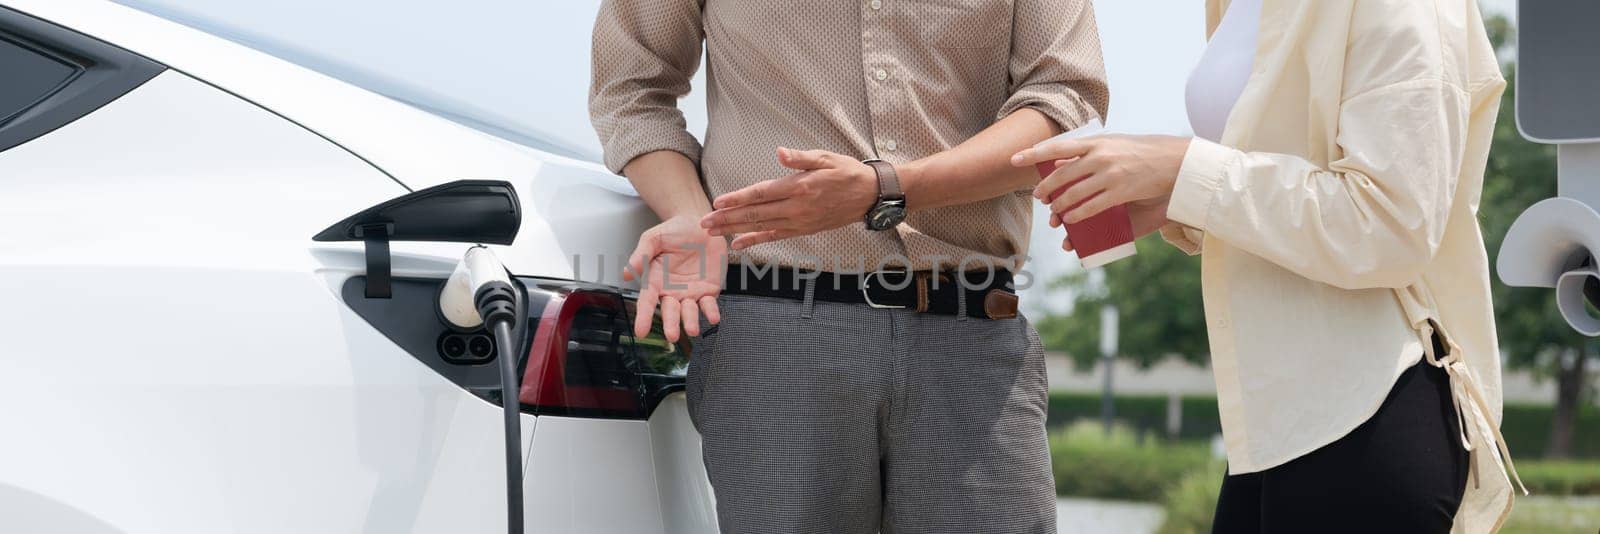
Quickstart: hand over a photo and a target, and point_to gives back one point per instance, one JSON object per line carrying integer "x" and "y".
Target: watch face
{"x": 886, "y": 215}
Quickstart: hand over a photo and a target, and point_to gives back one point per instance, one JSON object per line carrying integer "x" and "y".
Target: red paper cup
{"x": 1101, "y": 239}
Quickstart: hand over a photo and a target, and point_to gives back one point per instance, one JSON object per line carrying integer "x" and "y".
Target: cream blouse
{"x": 1338, "y": 219}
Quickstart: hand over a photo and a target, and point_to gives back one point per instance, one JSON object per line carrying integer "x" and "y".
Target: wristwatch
{"x": 890, "y": 210}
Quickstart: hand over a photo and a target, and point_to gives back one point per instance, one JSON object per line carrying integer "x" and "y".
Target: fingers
{"x": 1077, "y": 193}
{"x": 805, "y": 160}
{"x": 645, "y": 311}
{"x": 758, "y": 218}
{"x": 766, "y": 191}
{"x": 1067, "y": 174}
{"x": 745, "y": 241}
{"x": 670, "y": 309}
{"x": 1066, "y": 244}
{"x": 649, "y": 298}
{"x": 708, "y": 305}
{"x": 1052, "y": 150}
{"x": 1055, "y": 220}
{"x": 771, "y": 225}
{"x": 646, "y": 250}
{"x": 691, "y": 317}
{"x": 1092, "y": 207}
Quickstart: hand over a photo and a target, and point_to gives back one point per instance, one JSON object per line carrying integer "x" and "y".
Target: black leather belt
{"x": 988, "y": 294}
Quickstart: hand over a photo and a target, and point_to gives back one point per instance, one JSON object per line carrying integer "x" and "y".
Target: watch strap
{"x": 888, "y": 180}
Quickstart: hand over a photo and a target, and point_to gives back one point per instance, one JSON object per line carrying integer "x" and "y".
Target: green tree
{"x": 1157, "y": 295}
{"x": 1532, "y": 333}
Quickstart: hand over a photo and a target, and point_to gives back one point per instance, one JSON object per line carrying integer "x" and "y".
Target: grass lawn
{"x": 1184, "y": 477}
{"x": 1554, "y": 515}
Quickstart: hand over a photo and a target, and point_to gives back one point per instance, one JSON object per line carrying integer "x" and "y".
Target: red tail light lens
{"x": 584, "y": 360}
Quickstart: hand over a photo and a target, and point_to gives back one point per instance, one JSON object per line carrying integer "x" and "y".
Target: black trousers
{"x": 1401, "y": 471}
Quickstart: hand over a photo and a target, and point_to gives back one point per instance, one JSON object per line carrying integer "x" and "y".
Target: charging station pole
{"x": 1578, "y": 172}
{"x": 1108, "y": 356}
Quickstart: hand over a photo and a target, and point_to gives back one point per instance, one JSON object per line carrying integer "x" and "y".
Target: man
{"x": 870, "y": 372}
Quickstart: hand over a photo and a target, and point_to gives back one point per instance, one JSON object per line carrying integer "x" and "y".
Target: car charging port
{"x": 474, "y": 348}
{"x": 480, "y": 348}
{"x": 452, "y": 348}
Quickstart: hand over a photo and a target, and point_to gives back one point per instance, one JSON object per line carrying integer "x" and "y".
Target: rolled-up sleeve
{"x": 643, "y": 54}
{"x": 1374, "y": 218}
{"x": 1188, "y": 240}
{"x": 1056, "y": 66}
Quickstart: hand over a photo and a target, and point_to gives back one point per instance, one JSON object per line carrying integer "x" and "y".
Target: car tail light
{"x": 584, "y": 361}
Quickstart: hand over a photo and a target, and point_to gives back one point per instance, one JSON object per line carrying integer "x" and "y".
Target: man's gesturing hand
{"x": 830, "y": 191}
{"x": 686, "y": 267}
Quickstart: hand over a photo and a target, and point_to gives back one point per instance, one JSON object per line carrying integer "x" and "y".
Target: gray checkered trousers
{"x": 829, "y": 418}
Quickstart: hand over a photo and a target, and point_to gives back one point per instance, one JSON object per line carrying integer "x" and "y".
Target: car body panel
{"x": 599, "y": 462}
{"x": 180, "y": 343}
{"x": 569, "y": 449}
{"x": 688, "y": 504}
{"x": 184, "y": 171}
{"x": 184, "y": 359}
{"x": 515, "y": 69}
{"x": 416, "y": 148}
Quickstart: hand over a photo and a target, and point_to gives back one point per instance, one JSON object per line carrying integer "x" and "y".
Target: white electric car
{"x": 180, "y": 356}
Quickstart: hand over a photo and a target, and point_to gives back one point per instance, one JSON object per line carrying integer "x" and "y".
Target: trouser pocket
{"x": 702, "y": 349}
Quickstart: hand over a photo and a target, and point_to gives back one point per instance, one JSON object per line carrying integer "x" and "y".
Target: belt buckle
{"x": 866, "y": 282}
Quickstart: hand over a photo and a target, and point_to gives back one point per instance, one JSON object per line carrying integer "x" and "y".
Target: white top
{"x": 1219, "y": 78}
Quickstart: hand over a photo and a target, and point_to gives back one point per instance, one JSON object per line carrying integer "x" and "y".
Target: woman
{"x": 1334, "y": 192}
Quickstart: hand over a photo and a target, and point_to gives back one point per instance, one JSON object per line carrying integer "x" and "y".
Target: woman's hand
{"x": 1107, "y": 170}
{"x": 1147, "y": 215}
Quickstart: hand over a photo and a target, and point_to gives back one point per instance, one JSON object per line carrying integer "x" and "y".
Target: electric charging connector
{"x": 480, "y": 292}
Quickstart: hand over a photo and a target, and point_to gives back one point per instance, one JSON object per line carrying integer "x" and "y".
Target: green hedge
{"x": 1089, "y": 463}
{"x": 1146, "y": 414}
{"x": 1553, "y": 515}
{"x": 1526, "y": 426}
{"x": 1527, "y": 430}
{"x": 1558, "y": 477}
{"x": 1191, "y": 504}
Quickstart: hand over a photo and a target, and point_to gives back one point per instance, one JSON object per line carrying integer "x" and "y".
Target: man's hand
{"x": 830, "y": 191}
{"x": 685, "y": 273}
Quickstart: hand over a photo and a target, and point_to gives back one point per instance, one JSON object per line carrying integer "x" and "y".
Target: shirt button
{"x": 880, "y": 74}
{"x": 890, "y": 145}
{"x": 875, "y": 4}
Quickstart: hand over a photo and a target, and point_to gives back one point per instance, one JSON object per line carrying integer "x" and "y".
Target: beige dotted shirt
{"x": 894, "y": 79}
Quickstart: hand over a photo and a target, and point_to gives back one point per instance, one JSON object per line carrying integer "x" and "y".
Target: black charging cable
{"x": 505, "y": 314}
